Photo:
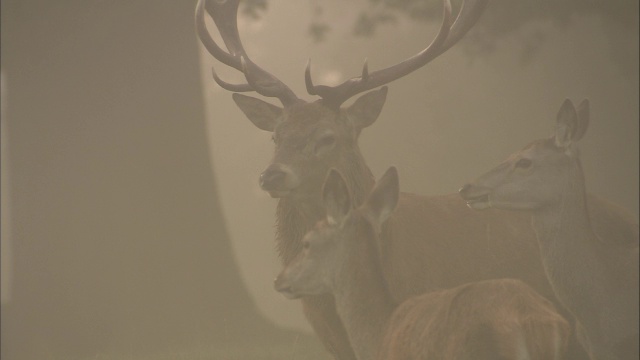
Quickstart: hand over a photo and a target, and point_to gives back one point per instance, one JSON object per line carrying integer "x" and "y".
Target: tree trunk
{"x": 118, "y": 240}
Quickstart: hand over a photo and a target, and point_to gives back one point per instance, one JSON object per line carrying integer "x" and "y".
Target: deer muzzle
{"x": 477, "y": 197}
{"x": 278, "y": 180}
{"x": 282, "y": 285}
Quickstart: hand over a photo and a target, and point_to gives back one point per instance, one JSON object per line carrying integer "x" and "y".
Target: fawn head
{"x": 331, "y": 248}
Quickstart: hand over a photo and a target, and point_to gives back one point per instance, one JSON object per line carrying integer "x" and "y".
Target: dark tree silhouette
{"x": 508, "y": 17}
{"x": 118, "y": 240}
{"x": 502, "y": 18}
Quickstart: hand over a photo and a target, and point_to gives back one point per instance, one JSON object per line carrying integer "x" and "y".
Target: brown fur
{"x": 483, "y": 320}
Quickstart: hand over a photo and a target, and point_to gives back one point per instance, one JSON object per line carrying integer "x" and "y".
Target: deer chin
{"x": 278, "y": 194}
{"x": 289, "y": 293}
{"x": 479, "y": 203}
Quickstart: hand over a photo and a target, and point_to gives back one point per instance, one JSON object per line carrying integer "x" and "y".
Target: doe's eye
{"x": 305, "y": 245}
{"x": 524, "y": 163}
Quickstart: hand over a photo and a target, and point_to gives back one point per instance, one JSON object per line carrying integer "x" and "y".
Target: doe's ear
{"x": 566, "y": 124}
{"x": 583, "y": 120}
{"x": 383, "y": 199}
{"x": 367, "y": 108}
{"x": 262, "y": 114}
{"x": 336, "y": 197}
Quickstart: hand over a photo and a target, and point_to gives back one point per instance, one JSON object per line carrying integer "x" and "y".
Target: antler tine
{"x": 311, "y": 89}
{"x": 467, "y": 17}
{"x": 450, "y": 32}
{"x": 224, "y": 14}
{"x": 365, "y": 70}
{"x": 230, "y": 87}
{"x": 210, "y": 44}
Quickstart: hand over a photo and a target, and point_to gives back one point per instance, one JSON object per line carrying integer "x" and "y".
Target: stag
{"x": 594, "y": 277}
{"x": 491, "y": 319}
{"x": 311, "y": 137}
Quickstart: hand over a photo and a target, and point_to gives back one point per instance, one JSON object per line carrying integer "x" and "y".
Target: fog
{"x": 441, "y": 125}
{"x": 112, "y": 194}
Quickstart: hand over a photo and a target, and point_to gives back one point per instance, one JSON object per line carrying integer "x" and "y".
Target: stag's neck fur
{"x": 295, "y": 217}
{"x": 362, "y": 298}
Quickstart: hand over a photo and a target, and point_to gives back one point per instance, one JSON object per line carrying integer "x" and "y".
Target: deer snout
{"x": 283, "y": 286}
{"x": 278, "y": 180}
{"x": 280, "y": 284}
{"x": 477, "y": 197}
{"x": 271, "y": 177}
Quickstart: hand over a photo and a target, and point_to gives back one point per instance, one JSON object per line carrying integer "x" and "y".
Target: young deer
{"x": 595, "y": 278}
{"x": 493, "y": 319}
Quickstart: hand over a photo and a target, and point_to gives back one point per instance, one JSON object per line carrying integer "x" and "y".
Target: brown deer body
{"x": 596, "y": 279}
{"x": 461, "y": 245}
{"x": 493, "y": 319}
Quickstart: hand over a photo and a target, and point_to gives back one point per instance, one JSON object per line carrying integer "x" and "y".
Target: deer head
{"x": 329, "y": 251}
{"x": 311, "y": 138}
{"x": 537, "y": 175}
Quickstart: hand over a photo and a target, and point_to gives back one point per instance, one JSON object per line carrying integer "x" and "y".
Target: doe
{"x": 595, "y": 278}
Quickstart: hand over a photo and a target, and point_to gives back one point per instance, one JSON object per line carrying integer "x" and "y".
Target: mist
{"x": 132, "y": 218}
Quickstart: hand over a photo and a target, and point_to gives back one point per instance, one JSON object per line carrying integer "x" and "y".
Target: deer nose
{"x": 272, "y": 178}
{"x": 280, "y": 285}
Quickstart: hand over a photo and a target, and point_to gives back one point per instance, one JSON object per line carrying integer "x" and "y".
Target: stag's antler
{"x": 446, "y": 38}
{"x": 224, "y": 14}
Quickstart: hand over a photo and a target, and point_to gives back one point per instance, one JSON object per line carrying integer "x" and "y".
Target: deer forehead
{"x": 308, "y": 125}
{"x": 328, "y": 228}
{"x": 545, "y": 153}
{"x": 537, "y": 149}
{"x": 309, "y": 113}
{"x": 321, "y": 238}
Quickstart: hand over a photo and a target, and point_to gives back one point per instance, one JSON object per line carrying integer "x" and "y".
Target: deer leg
{"x": 320, "y": 310}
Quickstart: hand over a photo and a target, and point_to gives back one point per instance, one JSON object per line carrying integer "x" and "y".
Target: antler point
{"x": 365, "y": 69}
{"x": 311, "y": 89}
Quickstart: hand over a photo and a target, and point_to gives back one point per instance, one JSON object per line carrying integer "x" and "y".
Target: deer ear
{"x": 566, "y": 124}
{"x": 383, "y": 199}
{"x": 262, "y": 114}
{"x": 367, "y": 108}
{"x": 336, "y": 197}
{"x": 583, "y": 120}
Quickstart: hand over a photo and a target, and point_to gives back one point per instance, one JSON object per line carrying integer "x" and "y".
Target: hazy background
{"x": 441, "y": 126}
{"x": 132, "y": 220}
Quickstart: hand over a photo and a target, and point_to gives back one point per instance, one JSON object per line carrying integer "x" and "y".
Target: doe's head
{"x": 537, "y": 175}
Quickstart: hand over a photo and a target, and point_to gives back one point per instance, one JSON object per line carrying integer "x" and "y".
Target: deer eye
{"x": 306, "y": 245}
{"x": 325, "y": 142}
{"x": 524, "y": 163}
